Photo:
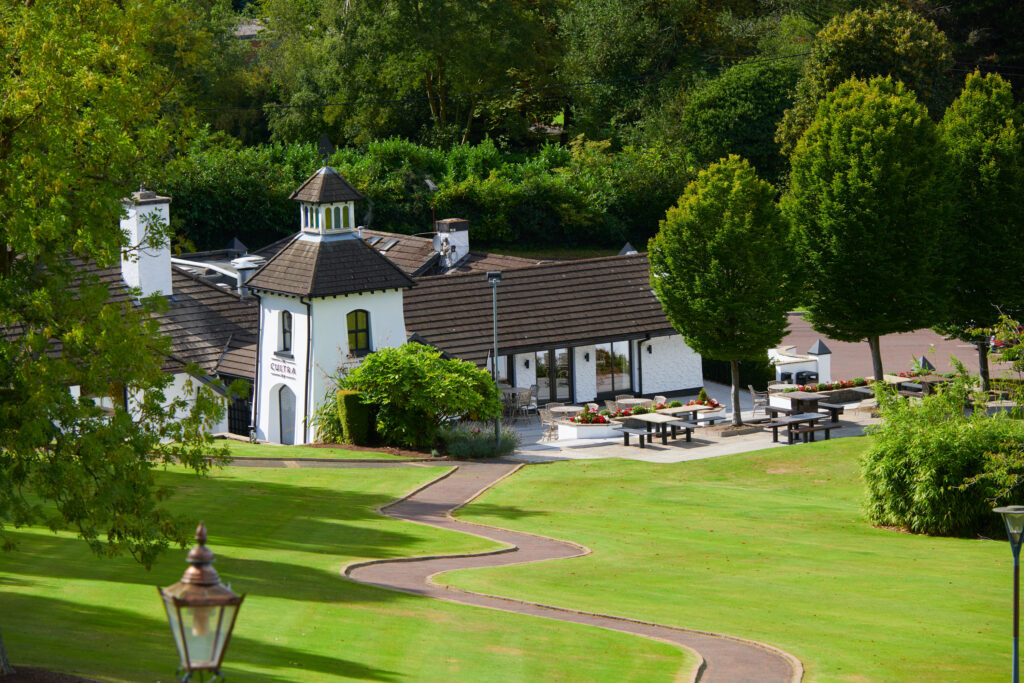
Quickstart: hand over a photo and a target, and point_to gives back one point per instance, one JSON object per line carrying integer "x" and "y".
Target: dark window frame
{"x": 286, "y": 332}
{"x": 354, "y": 348}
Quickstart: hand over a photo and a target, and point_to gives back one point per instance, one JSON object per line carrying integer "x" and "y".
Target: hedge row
{"x": 581, "y": 195}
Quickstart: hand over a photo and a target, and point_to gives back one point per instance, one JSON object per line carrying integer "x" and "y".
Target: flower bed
{"x": 709, "y": 402}
{"x": 574, "y": 430}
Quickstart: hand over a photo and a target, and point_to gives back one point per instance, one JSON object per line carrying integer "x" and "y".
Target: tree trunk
{"x": 983, "y": 363}
{"x": 5, "y": 666}
{"x": 876, "y": 357}
{"x": 737, "y": 418}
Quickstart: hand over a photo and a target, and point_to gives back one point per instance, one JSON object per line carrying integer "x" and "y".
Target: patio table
{"x": 791, "y": 422}
{"x": 805, "y": 401}
{"x": 630, "y": 402}
{"x": 692, "y": 410}
{"x": 655, "y": 420}
{"x": 567, "y": 411}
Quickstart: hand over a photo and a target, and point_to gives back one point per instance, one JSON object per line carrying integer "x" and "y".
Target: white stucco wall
{"x": 330, "y": 334}
{"x": 671, "y": 365}
{"x": 825, "y": 367}
{"x": 276, "y": 370}
{"x": 585, "y": 372}
{"x": 148, "y": 269}
{"x": 525, "y": 376}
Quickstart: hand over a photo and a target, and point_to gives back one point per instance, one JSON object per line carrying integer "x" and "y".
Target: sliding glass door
{"x": 614, "y": 370}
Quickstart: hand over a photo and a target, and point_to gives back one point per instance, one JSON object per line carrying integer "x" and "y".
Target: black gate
{"x": 239, "y": 411}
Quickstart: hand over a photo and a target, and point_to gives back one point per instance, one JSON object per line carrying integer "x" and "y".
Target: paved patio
{"x": 705, "y": 443}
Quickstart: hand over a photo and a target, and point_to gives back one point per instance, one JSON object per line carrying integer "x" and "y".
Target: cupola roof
{"x": 326, "y": 186}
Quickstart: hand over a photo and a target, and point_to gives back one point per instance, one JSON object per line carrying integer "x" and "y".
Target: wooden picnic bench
{"x": 833, "y": 409}
{"x": 808, "y": 432}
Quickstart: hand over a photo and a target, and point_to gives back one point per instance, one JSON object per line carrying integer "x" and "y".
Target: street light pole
{"x": 1013, "y": 517}
{"x": 494, "y": 277}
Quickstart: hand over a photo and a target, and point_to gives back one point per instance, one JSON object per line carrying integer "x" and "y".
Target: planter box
{"x": 571, "y": 430}
{"x": 834, "y": 395}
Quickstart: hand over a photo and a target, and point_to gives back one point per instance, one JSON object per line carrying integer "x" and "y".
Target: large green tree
{"x": 722, "y": 266}
{"x": 400, "y": 66}
{"x": 90, "y": 108}
{"x": 862, "y": 44}
{"x": 869, "y": 203}
{"x": 985, "y": 137}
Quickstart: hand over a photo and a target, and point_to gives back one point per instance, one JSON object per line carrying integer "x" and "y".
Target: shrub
{"x": 702, "y": 396}
{"x": 925, "y": 469}
{"x": 415, "y": 392}
{"x": 471, "y": 440}
{"x": 675, "y": 404}
{"x": 354, "y": 417}
{"x": 326, "y": 422}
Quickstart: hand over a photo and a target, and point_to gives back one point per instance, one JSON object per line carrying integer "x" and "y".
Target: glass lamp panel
{"x": 1014, "y": 519}
{"x": 202, "y": 630}
{"x": 174, "y": 619}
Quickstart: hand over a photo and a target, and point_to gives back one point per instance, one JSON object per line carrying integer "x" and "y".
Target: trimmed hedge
{"x": 354, "y": 416}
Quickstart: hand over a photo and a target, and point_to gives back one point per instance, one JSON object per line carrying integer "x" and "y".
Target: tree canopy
{"x": 869, "y": 203}
{"x": 862, "y": 44}
{"x": 94, "y": 103}
{"x": 984, "y": 135}
{"x": 722, "y": 266}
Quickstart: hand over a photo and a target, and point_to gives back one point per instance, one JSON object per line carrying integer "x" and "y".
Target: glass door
{"x": 614, "y": 369}
{"x": 554, "y": 375}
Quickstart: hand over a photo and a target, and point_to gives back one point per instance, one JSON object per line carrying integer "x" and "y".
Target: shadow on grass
{"x": 500, "y": 511}
{"x": 106, "y": 641}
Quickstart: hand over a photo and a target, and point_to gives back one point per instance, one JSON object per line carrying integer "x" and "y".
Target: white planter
{"x": 599, "y": 431}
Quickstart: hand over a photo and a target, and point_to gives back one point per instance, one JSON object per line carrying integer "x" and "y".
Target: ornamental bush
{"x": 471, "y": 440}
{"x": 925, "y": 470}
{"x": 354, "y": 417}
{"x": 415, "y": 391}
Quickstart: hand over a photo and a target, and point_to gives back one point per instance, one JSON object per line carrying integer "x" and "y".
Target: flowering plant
{"x": 621, "y": 412}
{"x": 589, "y": 418}
{"x": 705, "y": 402}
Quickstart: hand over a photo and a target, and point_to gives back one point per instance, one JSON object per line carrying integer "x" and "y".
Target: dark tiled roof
{"x": 482, "y": 261}
{"x": 326, "y": 186}
{"x": 328, "y": 267}
{"x": 569, "y": 303}
{"x": 414, "y": 255}
{"x": 202, "y": 319}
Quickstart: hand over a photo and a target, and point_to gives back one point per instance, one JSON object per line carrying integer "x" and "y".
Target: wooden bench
{"x": 833, "y": 409}
{"x": 808, "y": 432}
{"x": 687, "y": 428}
{"x": 626, "y": 431}
{"x": 709, "y": 420}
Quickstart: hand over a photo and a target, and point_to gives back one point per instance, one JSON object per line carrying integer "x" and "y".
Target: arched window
{"x": 327, "y": 219}
{"x": 305, "y": 216}
{"x": 358, "y": 332}
{"x": 345, "y": 221}
{"x": 337, "y": 218}
{"x": 286, "y": 331}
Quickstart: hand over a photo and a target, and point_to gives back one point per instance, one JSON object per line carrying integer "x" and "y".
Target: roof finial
{"x": 325, "y": 148}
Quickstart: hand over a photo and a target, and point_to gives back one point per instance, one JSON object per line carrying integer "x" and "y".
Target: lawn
{"x": 259, "y": 450}
{"x": 768, "y": 545}
{"x": 282, "y": 536}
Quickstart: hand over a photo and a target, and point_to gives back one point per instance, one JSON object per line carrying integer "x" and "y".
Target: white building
{"x": 581, "y": 330}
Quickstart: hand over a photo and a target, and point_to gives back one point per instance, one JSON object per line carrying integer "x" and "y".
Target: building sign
{"x": 285, "y": 369}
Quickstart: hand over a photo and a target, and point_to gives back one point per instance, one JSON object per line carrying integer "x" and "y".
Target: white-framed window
{"x": 286, "y": 332}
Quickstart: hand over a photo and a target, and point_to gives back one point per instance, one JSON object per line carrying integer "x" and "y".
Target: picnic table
{"x": 568, "y": 411}
{"x": 661, "y": 423}
{"x": 803, "y": 401}
{"x": 792, "y": 424}
{"x": 930, "y": 382}
{"x": 692, "y": 410}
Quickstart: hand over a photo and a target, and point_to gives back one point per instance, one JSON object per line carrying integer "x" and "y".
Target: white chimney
{"x": 451, "y": 240}
{"x": 147, "y": 268}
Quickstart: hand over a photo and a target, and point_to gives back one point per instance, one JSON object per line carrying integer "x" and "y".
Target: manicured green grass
{"x": 254, "y": 450}
{"x": 768, "y": 545}
{"x": 283, "y": 536}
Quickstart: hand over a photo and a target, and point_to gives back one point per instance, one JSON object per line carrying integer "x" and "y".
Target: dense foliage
{"x": 869, "y": 204}
{"x": 415, "y": 392}
{"x": 984, "y": 136}
{"x": 472, "y": 440}
{"x": 354, "y": 416}
{"x": 863, "y": 44}
{"x": 925, "y": 470}
{"x": 583, "y": 195}
{"x": 722, "y": 266}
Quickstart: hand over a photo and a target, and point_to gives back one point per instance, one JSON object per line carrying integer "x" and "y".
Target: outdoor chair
{"x": 592, "y": 407}
{"x": 610, "y": 405}
{"x": 509, "y": 404}
{"x": 621, "y": 397}
{"x": 760, "y": 399}
{"x": 658, "y": 400}
{"x": 549, "y": 406}
{"x": 524, "y": 404}
{"x": 547, "y": 421}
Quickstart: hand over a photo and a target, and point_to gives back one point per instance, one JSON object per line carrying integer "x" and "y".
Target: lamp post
{"x": 201, "y": 612}
{"x": 494, "y": 277}
{"x": 1013, "y": 517}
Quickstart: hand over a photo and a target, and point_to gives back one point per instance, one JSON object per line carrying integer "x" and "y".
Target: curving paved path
{"x": 725, "y": 659}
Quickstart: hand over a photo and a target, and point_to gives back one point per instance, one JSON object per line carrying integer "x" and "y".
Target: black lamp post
{"x": 201, "y": 612}
{"x": 1013, "y": 517}
{"x": 494, "y": 277}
